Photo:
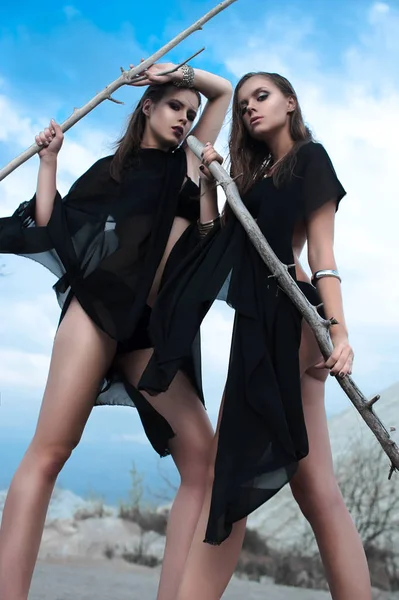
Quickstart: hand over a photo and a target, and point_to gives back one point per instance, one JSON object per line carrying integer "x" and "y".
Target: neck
{"x": 150, "y": 140}
{"x": 280, "y": 144}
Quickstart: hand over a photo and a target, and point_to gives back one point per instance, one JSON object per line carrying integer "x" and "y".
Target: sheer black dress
{"x": 262, "y": 432}
{"x": 104, "y": 242}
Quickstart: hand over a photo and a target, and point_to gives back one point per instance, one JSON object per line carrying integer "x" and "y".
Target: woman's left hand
{"x": 153, "y": 76}
{"x": 341, "y": 360}
{"x": 209, "y": 155}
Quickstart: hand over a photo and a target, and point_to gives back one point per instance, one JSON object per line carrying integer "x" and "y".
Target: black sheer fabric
{"x": 104, "y": 242}
{"x": 262, "y": 433}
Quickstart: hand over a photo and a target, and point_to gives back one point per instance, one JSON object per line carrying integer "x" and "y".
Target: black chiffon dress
{"x": 262, "y": 433}
{"x": 104, "y": 242}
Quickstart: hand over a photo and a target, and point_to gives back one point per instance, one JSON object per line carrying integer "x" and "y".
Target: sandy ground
{"x": 117, "y": 580}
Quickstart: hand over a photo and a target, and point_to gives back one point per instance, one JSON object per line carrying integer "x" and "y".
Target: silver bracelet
{"x": 188, "y": 77}
{"x": 325, "y": 273}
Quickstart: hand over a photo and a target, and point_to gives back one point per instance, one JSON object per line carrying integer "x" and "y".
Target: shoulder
{"x": 312, "y": 151}
{"x": 313, "y": 159}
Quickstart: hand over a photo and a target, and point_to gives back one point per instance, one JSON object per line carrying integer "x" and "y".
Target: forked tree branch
{"x": 125, "y": 78}
{"x": 319, "y": 325}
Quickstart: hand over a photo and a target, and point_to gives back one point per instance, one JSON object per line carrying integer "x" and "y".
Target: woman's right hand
{"x": 50, "y": 140}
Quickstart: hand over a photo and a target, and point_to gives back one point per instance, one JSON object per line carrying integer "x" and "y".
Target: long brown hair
{"x": 129, "y": 144}
{"x": 249, "y": 158}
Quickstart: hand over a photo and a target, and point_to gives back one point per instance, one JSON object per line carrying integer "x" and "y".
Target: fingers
{"x": 45, "y": 137}
{"x": 341, "y": 361}
{"x": 205, "y": 173}
{"x": 209, "y": 155}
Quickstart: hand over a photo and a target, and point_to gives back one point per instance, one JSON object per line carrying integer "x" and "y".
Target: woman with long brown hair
{"x": 110, "y": 241}
{"x": 272, "y": 426}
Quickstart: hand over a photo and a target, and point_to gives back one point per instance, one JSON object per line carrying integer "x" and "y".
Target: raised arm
{"x": 51, "y": 140}
{"x": 320, "y": 234}
{"x": 218, "y": 92}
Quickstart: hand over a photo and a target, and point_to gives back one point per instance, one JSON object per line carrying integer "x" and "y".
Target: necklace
{"x": 270, "y": 169}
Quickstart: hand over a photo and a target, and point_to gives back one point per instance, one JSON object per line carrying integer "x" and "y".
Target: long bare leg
{"x": 209, "y": 568}
{"x": 318, "y": 495}
{"x": 80, "y": 357}
{"x": 190, "y": 449}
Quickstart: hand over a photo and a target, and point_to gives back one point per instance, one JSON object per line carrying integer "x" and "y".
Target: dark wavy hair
{"x": 129, "y": 144}
{"x": 250, "y": 158}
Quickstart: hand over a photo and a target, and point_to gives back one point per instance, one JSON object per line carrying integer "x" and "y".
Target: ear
{"x": 147, "y": 107}
{"x": 291, "y": 104}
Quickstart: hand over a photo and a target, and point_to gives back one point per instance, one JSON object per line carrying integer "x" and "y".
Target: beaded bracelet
{"x": 188, "y": 77}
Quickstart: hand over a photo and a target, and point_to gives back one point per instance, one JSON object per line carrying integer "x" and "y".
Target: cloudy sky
{"x": 341, "y": 56}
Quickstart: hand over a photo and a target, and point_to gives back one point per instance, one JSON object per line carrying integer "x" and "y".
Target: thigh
{"x": 80, "y": 358}
{"x": 318, "y": 465}
{"x": 310, "y": 353}
{"x": 179, "y": 405}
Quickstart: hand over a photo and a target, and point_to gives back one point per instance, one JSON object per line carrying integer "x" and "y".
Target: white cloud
{"x": 352, "y": 108}
{"x": 27, "y": 301}
{"x": 23, "y": 369}
{"x": 16, "y": 127}
{"x": 358, "y": 126}
{"x": 378, "y": 10}
{"x": 80, "y": 150}
{"x": 29, "y": 321}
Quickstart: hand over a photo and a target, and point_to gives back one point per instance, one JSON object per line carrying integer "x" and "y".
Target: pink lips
{"x": 255, "y": 120}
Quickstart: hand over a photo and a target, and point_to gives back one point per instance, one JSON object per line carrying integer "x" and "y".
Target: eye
{"x": 174, "y": 106}
{"x": 243, "y": 110}
{"x": 191, "y": 116}
{"x": 263, "y": 96}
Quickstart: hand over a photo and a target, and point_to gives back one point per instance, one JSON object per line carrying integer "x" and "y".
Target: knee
{"x": 48, "y": 461}
{"x": 318, "y": 499}
{"x": 196, "y": 469}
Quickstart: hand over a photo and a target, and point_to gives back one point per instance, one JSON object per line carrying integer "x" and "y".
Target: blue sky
{"x": 342, "y": 57}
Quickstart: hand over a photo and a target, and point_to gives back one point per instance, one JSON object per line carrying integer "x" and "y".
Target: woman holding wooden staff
{"x": 108, "y": 241}
{"x": 272, "y": 426}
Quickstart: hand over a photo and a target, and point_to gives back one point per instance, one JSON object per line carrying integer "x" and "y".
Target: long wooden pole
{"x": 124, "y": 79}
{"x": 319, "y": 325}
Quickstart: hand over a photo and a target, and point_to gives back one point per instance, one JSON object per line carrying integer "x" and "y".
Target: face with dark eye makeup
{"x": 264, "y": 108}
{"x": 169, "y": 120}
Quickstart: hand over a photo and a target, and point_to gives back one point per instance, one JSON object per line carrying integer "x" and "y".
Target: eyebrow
{"x": 254, "y": 93}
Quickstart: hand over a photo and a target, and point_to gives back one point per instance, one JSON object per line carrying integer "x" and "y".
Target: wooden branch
{"x": 319, "y": 326}
{"x": 124, "y": 79}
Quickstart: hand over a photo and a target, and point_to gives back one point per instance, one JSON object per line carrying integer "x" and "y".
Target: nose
{"x": 183, "y": 120}
{"x": 250, "y": 109}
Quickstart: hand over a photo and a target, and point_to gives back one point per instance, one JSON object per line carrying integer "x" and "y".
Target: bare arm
{"x": 320, "y": 234}
{"x": 51, "y": 140}
{"x": 209, "y": 210}
{"x": 217, "y": 91}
